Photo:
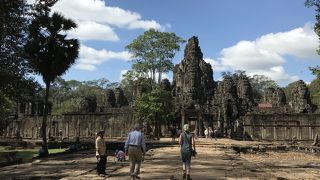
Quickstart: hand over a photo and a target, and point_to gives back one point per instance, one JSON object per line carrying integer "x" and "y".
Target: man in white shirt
{"x": 101, "y": 154}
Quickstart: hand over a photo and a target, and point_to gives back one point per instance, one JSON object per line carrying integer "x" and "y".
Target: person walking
{"x": 101, "y": 154}
{"x": 186, "y": 141}
{"x": 173, "y": 134}
{"x": 135, "y": 148}
{"x": 206, "y": 133}
{"x": 210, "y": 133}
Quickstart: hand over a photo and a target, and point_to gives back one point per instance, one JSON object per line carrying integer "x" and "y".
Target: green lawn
{"x": 27, "y": 154}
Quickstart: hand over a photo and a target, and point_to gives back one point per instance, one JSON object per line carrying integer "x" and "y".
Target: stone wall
{"x": 116, "y": 122}
{"x": 281, "y": 126}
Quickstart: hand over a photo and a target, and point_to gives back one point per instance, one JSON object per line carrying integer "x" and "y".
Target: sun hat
{"x": 186, "y": 127}
{"x": 99, "y": 132}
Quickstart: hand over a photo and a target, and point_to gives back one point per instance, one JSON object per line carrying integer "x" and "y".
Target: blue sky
{"x": 273, "y": 37}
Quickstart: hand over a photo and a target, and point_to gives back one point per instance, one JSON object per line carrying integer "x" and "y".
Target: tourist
{"x": 101, "y": 154}
{"x": 120, "y": 155}
{"x": 210, "y": 133}
{"x": 135, "y": 148}
{"x": 206, "y": 133}
{"x": 196, "y": 133}
{"x": 186, "y": 142}
{"x": 173, "y": 134}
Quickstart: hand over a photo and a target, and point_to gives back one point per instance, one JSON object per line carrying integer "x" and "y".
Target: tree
{"x": 316, "y": 4}
{"x": 13, "y": 67}
{"x": 154, "y": 107}
{"x": 153, "y": 52}
{"x": 314, "y": 89}
{"x": 48, "y": 51}
{"x": 259, "y": 84}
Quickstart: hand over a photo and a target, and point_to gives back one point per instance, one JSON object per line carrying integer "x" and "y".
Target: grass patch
{"x": 26, "y": 154}
{"x": 54, "y": 151}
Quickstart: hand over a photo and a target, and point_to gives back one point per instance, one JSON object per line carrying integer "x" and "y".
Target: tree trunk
{"x": 159, "y": 76}
{"x": 157, "y": 129}
{"x": 44, "y": 121}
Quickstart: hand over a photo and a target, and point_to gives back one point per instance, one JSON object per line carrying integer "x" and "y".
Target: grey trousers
{"x": 135, "y": 158}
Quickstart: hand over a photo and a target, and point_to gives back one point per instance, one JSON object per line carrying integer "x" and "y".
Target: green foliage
{"x": 315, "y": 71}
{"x": 75, "y": 96}
{"x": 288, "y": 90}
{"x": 6, "y": 106}
{"x": 133, "y": 82}
{"x": 48, "y": 51}
{"x": 314, "y": 89}
{"x": 157, "y": 103}
{"x": 14, "y": 69}
{"x": 154, "y": 107}
{"x": 153, "y": 52}
{"x": 259, "y": 84}
{"x": 316, "y": 4}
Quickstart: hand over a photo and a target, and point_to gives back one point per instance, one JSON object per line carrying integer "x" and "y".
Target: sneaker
{"x": 184, "y": 176}
{"x": 102, "y": 175}
{"x": 137, "y": 177}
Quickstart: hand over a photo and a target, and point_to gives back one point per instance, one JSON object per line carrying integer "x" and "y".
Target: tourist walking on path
{"x": 210, "y": 133}
{"x": 135, "y": 148}
{"x": 206, "y": 132}
{"x": 173, "y": 134}
{"x": 186, "y": 142}
{"x": 101, "y": 154}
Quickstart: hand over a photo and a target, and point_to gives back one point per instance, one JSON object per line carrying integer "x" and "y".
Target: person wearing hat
{"x": 135, "y": 148}
{"x": 186, "y": 141}
{"x": 101, "y": 154}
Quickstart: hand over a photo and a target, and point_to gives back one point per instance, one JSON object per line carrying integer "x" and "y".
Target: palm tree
{"x": 50, "y": 53}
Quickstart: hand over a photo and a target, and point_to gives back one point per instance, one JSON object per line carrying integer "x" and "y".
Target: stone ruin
{"x": 198, "y": 100}
{"x": 275, "y": 96}
{"x": 232, "y": 99}
{"x": 114, "y": 99}
{"x": 192, "y": 86}
{"x": 114, "y": 116}
{"x": 229, "y": 105}
{"x": 300, "y": 101}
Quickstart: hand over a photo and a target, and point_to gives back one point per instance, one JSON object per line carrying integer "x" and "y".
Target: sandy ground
{"x": 215, "y": 160}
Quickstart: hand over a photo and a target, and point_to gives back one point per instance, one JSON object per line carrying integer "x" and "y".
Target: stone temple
{"x": 193, "y": 87}
{"x": 226, "y": 105}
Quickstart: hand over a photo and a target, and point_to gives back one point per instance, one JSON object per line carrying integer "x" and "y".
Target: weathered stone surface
{"x": 121, "y": 100}
{"x": 300, "y": 101}
{"x": 110, "y": 99}
{"x": 88, "y": 104}
{"x": 245, "y": 96}
{"x": 275, "y": 96}
{"x": 226, "y": 101}
{"x": 165, "y": 84}
{"x": 193, "y": 80}
{"x": 192, "y": 84}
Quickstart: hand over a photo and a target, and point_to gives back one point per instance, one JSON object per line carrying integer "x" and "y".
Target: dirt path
{"x": 215, "y": 160}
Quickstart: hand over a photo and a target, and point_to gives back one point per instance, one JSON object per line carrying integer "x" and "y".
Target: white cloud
{"x": 122, "y": 72}
{"x": 98, "y": 11}
{"x": 89, "y": 30}
{"x": 87, "y": 67}
{"x": 299, "y": 42}
{"x": 216, "y": 65}
{"x": 277, "y": 74}
{"x": 90, "y": 57}
{"x": 95, "y": 19}
{"x": 267, "y": 54}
